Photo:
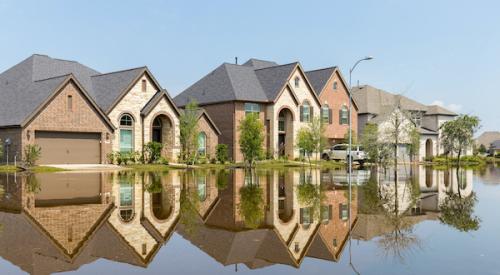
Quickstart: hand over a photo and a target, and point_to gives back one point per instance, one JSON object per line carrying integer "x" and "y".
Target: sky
{"x": 436, "y": 52}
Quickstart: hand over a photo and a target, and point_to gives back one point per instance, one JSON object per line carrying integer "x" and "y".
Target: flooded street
{"x": 286, "y": 221}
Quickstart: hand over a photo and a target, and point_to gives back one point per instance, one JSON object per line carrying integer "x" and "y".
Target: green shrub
{"x": 163, "y": 161}
{"x": 221, "y": 153}
{"x": 111, "y": 157}
{"x": 152, "y": 151}
{"x": 32, "y": 153}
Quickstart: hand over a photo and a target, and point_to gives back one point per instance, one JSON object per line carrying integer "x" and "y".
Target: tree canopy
{"x": 251, "y": 138}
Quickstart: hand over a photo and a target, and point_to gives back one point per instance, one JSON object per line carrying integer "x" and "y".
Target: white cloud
{"x": 452, "y": 106}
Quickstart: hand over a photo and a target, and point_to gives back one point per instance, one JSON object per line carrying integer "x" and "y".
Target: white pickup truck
{"x": 340, "y": 152}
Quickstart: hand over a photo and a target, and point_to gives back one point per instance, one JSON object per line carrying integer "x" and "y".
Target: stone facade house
{"x": 377, "y": 106}
{"x": 78, "y": 115}
{"x": 333, "y": 93}
{"x": 281, "y": 95}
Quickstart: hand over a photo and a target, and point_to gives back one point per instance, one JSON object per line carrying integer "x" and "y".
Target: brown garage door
{"x": 69, "y": 148}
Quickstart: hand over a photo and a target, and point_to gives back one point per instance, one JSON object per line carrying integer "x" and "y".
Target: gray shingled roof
{"x": 230, "y": 82}
{"x": 438, "y": 110}
{"x": 372, "y": 100}
{"x": 319, "y": 78}
{"x": 259, "y": 64}
{"x": 155, "y": 99}
{"x": 107, "y": 88}
{"x": 25, "y": 86}
{"x": 495, "y": 144}
{"x": 272, "y": 79}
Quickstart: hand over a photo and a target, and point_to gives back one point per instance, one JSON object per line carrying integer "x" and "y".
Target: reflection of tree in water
{"x": 457, "y": 211}
{"x": 310, "y": 195}
{"x": 251, "y": 200}
{"x": 189, "y": 204}
{"x": 383, "y": 199}
{"x": 222, "y": 179}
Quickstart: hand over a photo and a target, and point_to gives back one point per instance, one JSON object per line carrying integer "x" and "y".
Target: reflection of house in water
{"x": 285, "y": 231}
{"x": 415, "y": 198}
{"x": 58, "y": 222}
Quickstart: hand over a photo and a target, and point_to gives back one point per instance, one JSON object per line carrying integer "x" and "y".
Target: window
{"x": 144, "y": 85}
{"x": 326, "y": 114}
{"x": 202, "y": 144}
{"x": 326, "y": 213}
{"x": 201, "y": 183}
{"x": 297, "y": 82}
{"x": 281, "y": 122}
{"x": 305, "y": 112}
{"x": 306, "y": 216}
{"x": 252, "y": 108}
{"x": 417, "y": 118}
{"x": 343, "y": 211}
{"x": 126, "y": 133}
{"x": 126, "y": 199}
{"x": 334, "y": 85}
{"x": 70, "y": 103}
{"x": 344, "y": 115}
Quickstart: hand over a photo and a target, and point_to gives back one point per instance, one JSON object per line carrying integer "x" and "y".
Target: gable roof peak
{"x": 259, "y": 63}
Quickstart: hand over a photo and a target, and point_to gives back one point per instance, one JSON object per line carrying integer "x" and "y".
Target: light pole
{"x": 349, "y": 160}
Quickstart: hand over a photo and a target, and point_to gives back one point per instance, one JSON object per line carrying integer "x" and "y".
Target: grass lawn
{"x": 46, "y": 169}
{"x": 8, "y": 168}
{"x": 148, "y": 167}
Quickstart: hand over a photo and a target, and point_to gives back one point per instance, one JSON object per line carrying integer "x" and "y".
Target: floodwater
{"x": 293, "y": 221}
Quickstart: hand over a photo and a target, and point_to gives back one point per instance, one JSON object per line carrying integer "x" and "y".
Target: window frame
{"x": 126, "y": 126}
{"x": 202, "y": 151}
{"x": 251, "y": 108}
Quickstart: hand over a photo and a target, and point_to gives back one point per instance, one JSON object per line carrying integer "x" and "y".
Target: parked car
{"x": 340, "y": 152}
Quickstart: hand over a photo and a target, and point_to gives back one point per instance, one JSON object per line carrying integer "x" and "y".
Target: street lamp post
{"x": 349, "y": 160}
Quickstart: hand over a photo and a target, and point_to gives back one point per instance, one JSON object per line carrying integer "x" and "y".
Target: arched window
{"x": 305, "y": 112}
{"x": 344, "y": 115}
{"x": 297, "y": 82}
{"x": 326, "y": 114}
{"x": 335, "y": 85}
{"x": 126, "y": 133}
{"x": 202, "y": 144}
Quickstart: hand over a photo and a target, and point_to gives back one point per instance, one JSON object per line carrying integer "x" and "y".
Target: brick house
{"x": 333, "y": 93}
{"x": 78, "y": 115}
{"x": 281, "y": 95}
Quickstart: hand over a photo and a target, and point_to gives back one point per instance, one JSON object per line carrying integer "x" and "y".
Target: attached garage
{"x": 68, "y": 147}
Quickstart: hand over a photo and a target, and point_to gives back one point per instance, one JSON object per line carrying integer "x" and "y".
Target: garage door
{"x": 69, "y": 148}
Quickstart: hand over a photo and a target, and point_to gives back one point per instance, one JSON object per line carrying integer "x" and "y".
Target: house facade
{"x": 333, "y": 93}
{"x": 376, "y": 106}
{"x": 78, "y": 115}
{"x": 281, "y": 96}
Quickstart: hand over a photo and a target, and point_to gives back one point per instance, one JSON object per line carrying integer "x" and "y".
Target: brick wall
{"x": 57, "y": 117}
{"x": 212, "y": 136}
{"x": 336, "y": 99}
{"x": 223, "y": 116}
{"x": 15, "y": 148}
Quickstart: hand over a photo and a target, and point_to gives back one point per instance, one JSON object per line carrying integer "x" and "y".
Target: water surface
{"x": 294, "y": 221}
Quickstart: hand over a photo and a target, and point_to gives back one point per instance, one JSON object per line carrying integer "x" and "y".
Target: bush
{"x": 152, "y": 151}
{"x": 32, "y": 153}
{"x": 163, "y": 161}
{"x": 213, "y": 161}
{"x": 221, "y": 153}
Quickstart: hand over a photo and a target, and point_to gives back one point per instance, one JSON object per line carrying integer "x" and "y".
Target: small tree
{"x": 353, "y": 137}
{"x": 305, "y": 142}
{"x": 251, "y": 138}
{"x": 457, "y": 134}
{"x": 414, "y": 146}
{"x": 482, "y": 149}
{"x": 221, "y": 153}
{"x": 152, "y": 151}
{"x": 32, "y": 153}
{"x": 369, "y": 141}
{"x": 311, "y": 139}
{"x": 188, "y": 124}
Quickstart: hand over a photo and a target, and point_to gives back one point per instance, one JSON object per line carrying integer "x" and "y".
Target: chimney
{"x": 236, "y": 60}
